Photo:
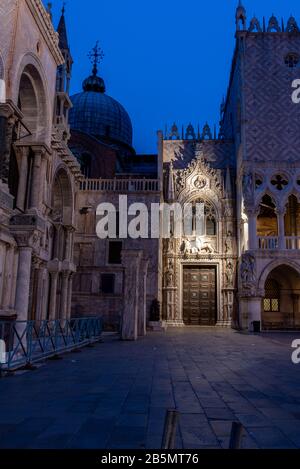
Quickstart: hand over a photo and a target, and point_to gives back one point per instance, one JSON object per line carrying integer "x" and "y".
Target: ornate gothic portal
{"x": 200, "y": 265}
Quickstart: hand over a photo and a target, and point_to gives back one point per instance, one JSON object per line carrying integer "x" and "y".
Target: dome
{"x": 97, "y": 114}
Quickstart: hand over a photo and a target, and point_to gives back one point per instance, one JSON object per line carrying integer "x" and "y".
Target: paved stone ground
{"x": 115, "y": 395}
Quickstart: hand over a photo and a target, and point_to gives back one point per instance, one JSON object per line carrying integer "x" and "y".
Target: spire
{"x": 228, "y": 184}
{"x": 171, "y": 186}
{"x": 240, "y": 17}
{"x": 62, "y": 30}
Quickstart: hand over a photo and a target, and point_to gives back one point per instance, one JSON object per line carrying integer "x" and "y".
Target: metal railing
{"x": 120, "y": 185}
{"x": 27, "y": 342}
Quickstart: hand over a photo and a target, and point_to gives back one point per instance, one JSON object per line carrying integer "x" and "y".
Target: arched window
{"x": 267, "y": 218}
{"x": 292, "y": 217}
{"x": 291, "y": 60}
{"x": 204, "y": 218}
{"x": 272, "y": 296}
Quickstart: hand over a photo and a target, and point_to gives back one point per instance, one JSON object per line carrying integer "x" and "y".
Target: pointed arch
{"x": 267, "y": 223}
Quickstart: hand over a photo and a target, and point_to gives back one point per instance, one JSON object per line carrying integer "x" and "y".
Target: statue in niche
{"x": 228, "y": 246}
{"x": 170, "y": 245}
{"x": 247, "y": 185}
{"x": 229, "y": 273}
{"x": 248, "y": 269}
{"x": 170, "y": 275}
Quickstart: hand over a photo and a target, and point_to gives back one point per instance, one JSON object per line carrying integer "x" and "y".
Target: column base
{"x": 157, "y": 326}
{"x": 175, "y": 323}
{"x": 8, "y": 314}
{"x": 223, "y": 324}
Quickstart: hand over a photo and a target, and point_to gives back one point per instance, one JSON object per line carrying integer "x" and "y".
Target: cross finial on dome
{"x": 95, "y": 56}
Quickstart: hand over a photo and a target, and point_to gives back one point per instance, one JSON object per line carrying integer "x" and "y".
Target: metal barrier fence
{"x": 27, "y": 342}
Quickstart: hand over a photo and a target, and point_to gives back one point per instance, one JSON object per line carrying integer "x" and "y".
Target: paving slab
{"x": 116, "y": 394}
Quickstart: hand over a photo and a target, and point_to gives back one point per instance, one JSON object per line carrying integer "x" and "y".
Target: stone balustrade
{"x": 120, "y": 185}
{"x": 272, "y": 242}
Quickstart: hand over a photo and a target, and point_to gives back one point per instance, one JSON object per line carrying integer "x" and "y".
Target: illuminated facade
{"x": 243, "y": 268}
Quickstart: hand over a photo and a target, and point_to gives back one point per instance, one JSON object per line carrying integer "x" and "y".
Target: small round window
{"x": 291, "y": 60}
{"x": 279, "y": 182}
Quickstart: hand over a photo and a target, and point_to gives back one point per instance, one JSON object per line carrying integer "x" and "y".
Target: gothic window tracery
{"x": 279, "y": 182}
{"x": 209, "y": 227}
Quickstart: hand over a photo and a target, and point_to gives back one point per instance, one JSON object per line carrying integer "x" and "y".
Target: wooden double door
{"x": 199, "y": 296}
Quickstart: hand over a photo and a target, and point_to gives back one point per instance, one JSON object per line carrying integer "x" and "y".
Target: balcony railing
{"x": 268, "y": 242}
{"x": 292, "y": 242}
{"x": 273, "y": 242}
{"x": 25, "y": 342}
{"x": 120, "y": 185}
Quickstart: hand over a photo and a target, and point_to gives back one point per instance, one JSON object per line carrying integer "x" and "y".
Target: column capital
{"x": 26, "y": 239}
{"x": 40, "y": 149}
{"x": 54, "y": 266}
{"x": 21, "y": 150}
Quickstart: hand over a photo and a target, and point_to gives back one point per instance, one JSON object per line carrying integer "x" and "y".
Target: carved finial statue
{"x": 248, "y": 269}
{"x": 206, "y": 133}
{"x": 174, "y": 132}
{"x": 254, "y": 25}
{"x": 273, "y": 25}
{"x": 248, "y": 185}
{"x": 292, "y": 25}
{"x": 190, "y": 132}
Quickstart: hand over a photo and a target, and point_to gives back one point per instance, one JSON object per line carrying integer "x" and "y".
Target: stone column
{"x": 64, "y": 295}
{"x": 53, "y": 290}
{"x": 69, "y": 242}
{"x": 23, "y": 283}
{"x": 43, "y": 181}
{"x": 254, "y": 309}
{"x": 23, "y": 174}
{"x": 70, "y": 289}
{"x": 36, "y": 196}
{"x": 142, "y": 304}
{"x": 9, "y": 265}
{"x": 7, "y": 122}
{"x": 281, "y": 229}
{"x": 131, "y": 263}
{"x": 252, "y": 230}
{"x": 2, "y": 268}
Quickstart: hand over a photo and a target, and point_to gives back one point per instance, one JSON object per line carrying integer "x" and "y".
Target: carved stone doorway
{"x": 199, "y": 296}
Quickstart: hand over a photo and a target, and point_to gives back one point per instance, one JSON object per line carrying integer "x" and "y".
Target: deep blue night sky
{"x": 165, "y": 60}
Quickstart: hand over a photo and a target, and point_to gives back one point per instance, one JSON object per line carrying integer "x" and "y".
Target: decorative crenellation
{"x": 191, "y": 132}
{"x": 273, "y": 25}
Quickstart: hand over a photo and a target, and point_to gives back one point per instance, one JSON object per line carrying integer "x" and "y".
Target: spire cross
{"x": 95, "y": 56}
{"x": 63, "y": 8}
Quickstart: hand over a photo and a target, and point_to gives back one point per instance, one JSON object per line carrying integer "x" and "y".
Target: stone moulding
{"x": 46, "y": 28}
